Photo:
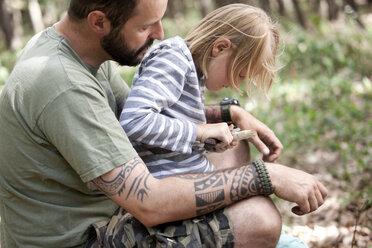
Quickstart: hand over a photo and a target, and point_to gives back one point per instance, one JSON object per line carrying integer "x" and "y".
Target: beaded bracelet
{"x": 263, "y": 175}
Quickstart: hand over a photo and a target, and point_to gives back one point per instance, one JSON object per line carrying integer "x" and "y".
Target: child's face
{"x": 219, "y": 70}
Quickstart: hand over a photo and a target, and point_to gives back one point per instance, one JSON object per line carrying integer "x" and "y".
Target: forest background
{"x": 320, "y": 106}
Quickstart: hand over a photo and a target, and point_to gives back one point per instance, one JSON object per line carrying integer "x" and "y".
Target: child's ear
{"x": 221, "y": 46}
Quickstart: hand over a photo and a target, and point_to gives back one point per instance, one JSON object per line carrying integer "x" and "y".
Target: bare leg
{"x": 256, "y": 223}
{"x": 238, "y": 156}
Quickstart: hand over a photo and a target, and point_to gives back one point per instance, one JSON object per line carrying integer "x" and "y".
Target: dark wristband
{"x": 225, "y": 113}
{"x": 225, "y": 108}
{"x": 263, "y": 175}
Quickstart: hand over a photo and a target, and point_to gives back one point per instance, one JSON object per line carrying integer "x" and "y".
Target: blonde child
{"x": 164, "y": 113}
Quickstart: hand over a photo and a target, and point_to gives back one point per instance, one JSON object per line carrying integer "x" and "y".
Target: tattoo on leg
{"x": 117, "y": 186}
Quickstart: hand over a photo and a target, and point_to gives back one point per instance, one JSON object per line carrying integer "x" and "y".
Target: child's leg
{"x": 238, "y": 156}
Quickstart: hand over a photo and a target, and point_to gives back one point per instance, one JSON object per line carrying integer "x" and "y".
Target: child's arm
{"x": 265, "y": 140}
{"x": 154, "y": 113}
{"x": 214, "y": 145}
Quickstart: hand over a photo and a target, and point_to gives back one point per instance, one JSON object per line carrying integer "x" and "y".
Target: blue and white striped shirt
{"x": 162, "y": 110}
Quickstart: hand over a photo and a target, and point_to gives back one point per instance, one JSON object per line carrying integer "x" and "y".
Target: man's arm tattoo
{"x": 245, "y": 184}
{"x": 213, "y": 114}
{"x": 138, "y": 185}
{"x": 210, "y": 188}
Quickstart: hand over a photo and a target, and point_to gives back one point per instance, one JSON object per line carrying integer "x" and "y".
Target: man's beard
{"x": 116, "y": 47}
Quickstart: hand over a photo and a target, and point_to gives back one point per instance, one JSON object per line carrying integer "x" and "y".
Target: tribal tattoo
{"x": 213, "y": 114}
{"x": 137, "y": 187}
{"x": 210, "y": 188}
{"x": 245, "y": 183}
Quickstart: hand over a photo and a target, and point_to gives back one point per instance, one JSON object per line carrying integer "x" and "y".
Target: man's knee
{"x": 256, "y": 222}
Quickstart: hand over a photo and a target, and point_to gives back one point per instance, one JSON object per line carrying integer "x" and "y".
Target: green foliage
{"x": 4, "y": 74}
{"x": 180, "y": 26}
{"x": 7, "y": 61}
{"x": 328, "y": 49}
{"x": 321, "y": 107}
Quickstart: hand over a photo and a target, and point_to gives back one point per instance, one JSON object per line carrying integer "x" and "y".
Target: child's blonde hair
{"x": 254, "y": 39}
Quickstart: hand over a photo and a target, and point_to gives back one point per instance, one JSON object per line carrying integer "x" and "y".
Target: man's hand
{"x": 265, "y": 140}
{"x": 297, "y": 186}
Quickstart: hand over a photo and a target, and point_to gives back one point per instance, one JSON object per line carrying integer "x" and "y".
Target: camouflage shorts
{"x": 123, "y": 230}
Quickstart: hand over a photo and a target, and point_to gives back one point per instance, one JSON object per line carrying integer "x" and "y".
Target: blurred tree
{"x": 332, "y": 10}
{"x": 220, "y": 3}
{"x": 316, "y": 6}
{"x": 34, "y": 11}
{"x": 11, "y": 24}
{"x": 265, "y": 5}
{"x": 175, "y": 8}
{"x": 15, "y": 15}
{"x": 206, "y": 6}
{"x": 300, "y": 15}
{"x": 282, "y": 10}
{"x": 50, "y": 13}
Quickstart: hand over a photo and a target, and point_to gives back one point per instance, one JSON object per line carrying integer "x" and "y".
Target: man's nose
{"x": 158, "y": 32}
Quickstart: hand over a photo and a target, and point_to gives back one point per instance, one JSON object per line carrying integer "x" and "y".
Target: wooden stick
{"x": 242, "y": 135}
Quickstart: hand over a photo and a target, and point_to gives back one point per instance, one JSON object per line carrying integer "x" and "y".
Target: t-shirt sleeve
{"x": 84, "y": 129}
{"x": 118, "y": 85}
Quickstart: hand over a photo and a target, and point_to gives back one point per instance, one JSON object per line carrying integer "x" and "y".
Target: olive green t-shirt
{"x": 58, "y": 131}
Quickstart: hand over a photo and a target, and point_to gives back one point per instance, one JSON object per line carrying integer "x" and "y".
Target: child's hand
{"x": 219, "y": 131}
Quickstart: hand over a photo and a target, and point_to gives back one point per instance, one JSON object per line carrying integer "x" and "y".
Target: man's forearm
{"x": 213, "y": 113}
{"x": 178, "y": 197}
{"x": 221, "y": 188}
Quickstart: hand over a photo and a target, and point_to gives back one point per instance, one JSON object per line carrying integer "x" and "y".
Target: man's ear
{"x": 221, "y": 46}
{"x": 98, "y": 22}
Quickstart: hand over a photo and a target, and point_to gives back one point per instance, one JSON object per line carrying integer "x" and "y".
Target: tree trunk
{"x": 172, "y": 10}
{"x": 35, "y": 15}
{"x": 220, "y": 3}
{"x": 299, "y": 13}
{"x": 11, "y": 24}
{"x": 316, "y": 7}
{"x": 50, "y": 15}
{"x": 282, "y": 8}
{"x": 265, "y": 5}
{"x": 332, "y": 10}
{"x": 206, "y": 6}
{"x": 6, "y": 23}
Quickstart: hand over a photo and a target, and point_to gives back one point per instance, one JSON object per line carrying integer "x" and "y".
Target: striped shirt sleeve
{"x": 157, "y": 85}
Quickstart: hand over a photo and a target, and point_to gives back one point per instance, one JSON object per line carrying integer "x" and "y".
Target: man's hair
{"x": 254, "y": 38}
{"x": 117, "y": 11}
